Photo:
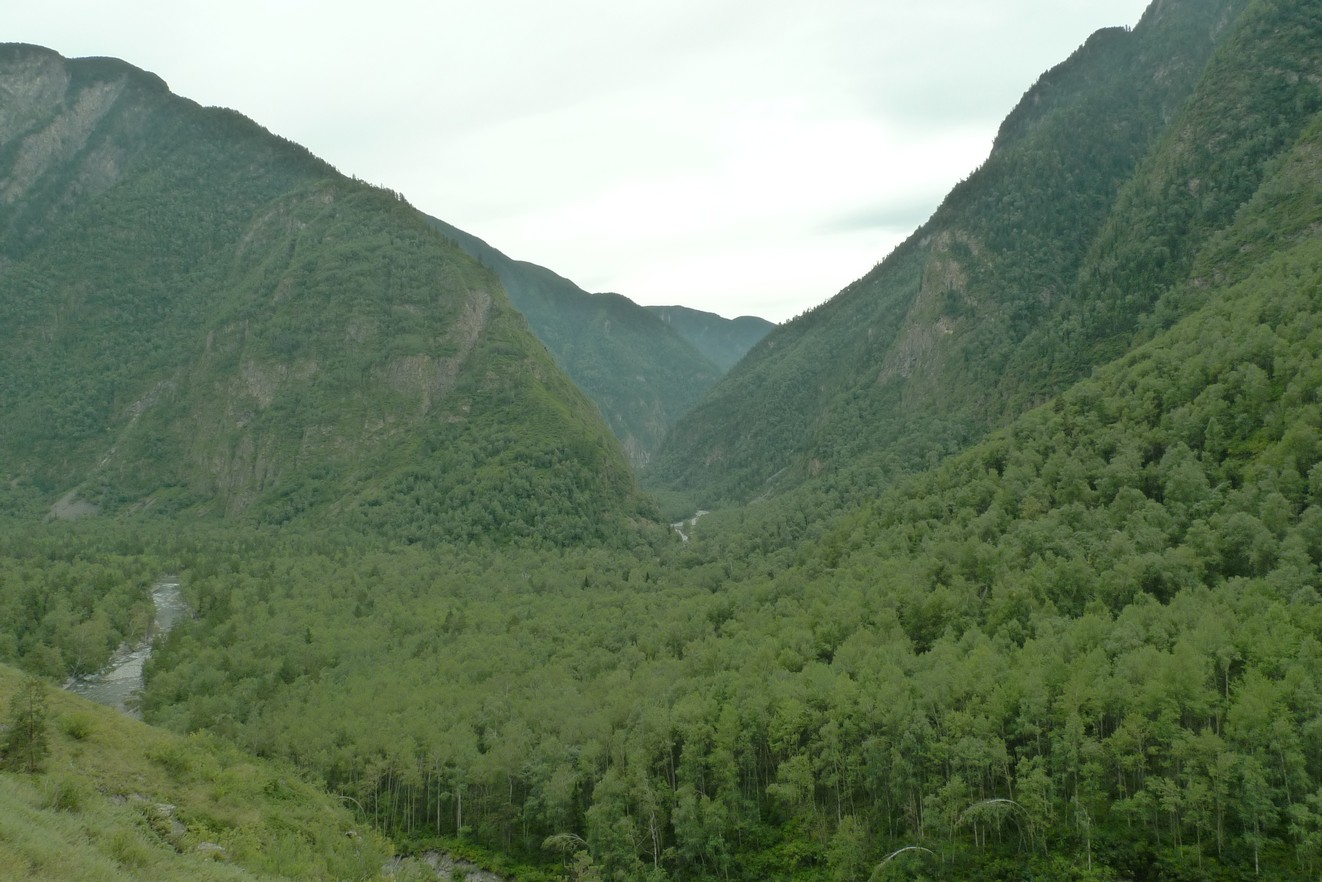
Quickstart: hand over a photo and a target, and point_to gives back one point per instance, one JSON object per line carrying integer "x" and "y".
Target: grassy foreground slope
{"x": 119, "y": 800}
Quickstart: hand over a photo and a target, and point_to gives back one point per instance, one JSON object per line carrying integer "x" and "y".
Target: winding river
{"x": 119, "y": 683}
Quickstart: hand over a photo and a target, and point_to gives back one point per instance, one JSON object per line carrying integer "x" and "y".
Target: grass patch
{"x": 125, "y": 801}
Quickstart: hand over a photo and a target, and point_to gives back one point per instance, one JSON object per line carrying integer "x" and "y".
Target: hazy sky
{"x": 738, "y": 156}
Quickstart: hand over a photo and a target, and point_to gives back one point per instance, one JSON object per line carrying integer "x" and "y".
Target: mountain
{"x": 196, "y": 315}
{"x": 1103, "y": 183}
{"x": 723, "y": 341}
{"x": 642, "y": 375}
{"x": 1088, "y": 647}
{"x": 1038, "y": 597}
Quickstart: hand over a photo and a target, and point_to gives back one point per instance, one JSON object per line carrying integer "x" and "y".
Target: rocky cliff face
{"x": 56, "y": 132}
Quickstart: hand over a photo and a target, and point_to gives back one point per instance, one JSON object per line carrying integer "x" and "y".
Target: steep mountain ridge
{"x": 913, "y": 360}
{"x": 199, "y": 315}
{"x": 642, "y": 375}
{"x": 1260, "y": 91}
{"x": 724, "y": 341}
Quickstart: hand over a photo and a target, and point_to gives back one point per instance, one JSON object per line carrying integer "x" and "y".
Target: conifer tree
{"x": 26, "y": 741}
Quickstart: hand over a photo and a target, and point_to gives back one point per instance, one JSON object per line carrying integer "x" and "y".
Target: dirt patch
{"x": 70, "y": 508}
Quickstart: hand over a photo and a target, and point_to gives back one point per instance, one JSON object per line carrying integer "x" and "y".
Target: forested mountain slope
{"x": 722, "y": 340}
{"x": 197, "y": 315}
{"x": 641, "y": 374}
{"x": 1115, "y": 169}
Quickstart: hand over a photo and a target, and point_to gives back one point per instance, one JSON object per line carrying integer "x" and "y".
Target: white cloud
{"x": 735, "y": 155}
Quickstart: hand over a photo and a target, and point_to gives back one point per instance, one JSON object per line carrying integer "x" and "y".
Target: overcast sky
{"x": 737, "y": 156}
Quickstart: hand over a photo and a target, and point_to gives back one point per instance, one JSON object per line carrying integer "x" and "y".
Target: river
{"x": 119, "y": 683}
{"x": 679, "y": 526}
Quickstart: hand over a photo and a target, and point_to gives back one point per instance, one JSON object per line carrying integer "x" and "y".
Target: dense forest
{"x": 1015, "y": 572}
{"x": 1092, "y": 640}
